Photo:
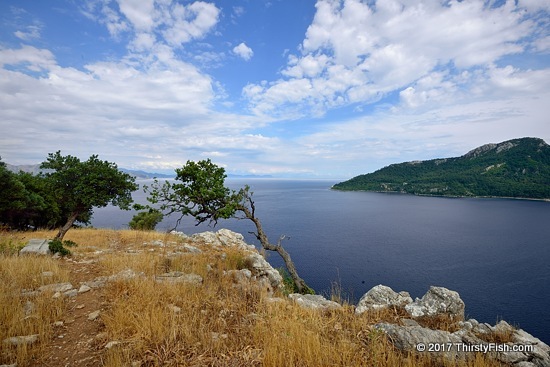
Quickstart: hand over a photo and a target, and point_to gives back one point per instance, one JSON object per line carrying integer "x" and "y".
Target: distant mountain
{"x": 144, "y": 175}
{"x": 232, "y": 175}
{"x": 29, "y": 168}
{"x": 515, "y": 168}
{"x": 35, "y": 169}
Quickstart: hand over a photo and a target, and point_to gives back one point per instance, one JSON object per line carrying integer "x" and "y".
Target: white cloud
{"x": 189, "y": 22}
{"x": 139, "y": 13}
{"x": 29, "y": 57}
{"x": 359, "y": 52}
{"x": 243, "y": 51}
{"x": 30, "y": 33}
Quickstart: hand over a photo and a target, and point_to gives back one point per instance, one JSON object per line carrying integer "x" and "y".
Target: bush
{"x": 146, "y": 220}
{"x": 56, "y": 246}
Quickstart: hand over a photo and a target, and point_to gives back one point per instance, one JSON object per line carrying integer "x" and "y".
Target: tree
{"x": 81, "y": 186}
{"x": 200, "y": 192}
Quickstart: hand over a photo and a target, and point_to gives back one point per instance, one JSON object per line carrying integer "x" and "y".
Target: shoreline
{"x": 447, "y": 196}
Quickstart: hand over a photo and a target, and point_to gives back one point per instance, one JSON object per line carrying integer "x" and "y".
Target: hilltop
{"x": 518, "y": 168}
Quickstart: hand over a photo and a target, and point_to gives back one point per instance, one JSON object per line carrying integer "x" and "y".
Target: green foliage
{"x": 61, "y": 197}
{"x": 25, "y": 201}
{"x": 516, "y": 168}
{"x": 78, "y": 186}
{"x": 146, "y": 220}
{"x": 60, "y": 247}
{"x": 9, "y": 246}
{"x": 199, "y": 192}
{"x": 289, "y": 285}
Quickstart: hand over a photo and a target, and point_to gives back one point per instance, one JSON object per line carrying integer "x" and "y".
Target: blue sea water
{"x": 494, "y": 252}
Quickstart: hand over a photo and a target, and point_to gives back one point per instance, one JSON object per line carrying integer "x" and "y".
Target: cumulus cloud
{"x": 170, "y": 20}
{"x": 360, "y": 52}
{"x": 243, "y": 51}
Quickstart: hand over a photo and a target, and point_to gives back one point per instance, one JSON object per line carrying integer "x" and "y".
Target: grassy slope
{"x": 217, "y": 324}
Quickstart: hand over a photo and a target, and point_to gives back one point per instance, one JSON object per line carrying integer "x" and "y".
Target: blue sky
{"x": 321, "y": 89}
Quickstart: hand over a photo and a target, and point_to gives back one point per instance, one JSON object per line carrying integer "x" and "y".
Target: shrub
{"x": 56, "y": 246}
{"x": 146, "y": 220}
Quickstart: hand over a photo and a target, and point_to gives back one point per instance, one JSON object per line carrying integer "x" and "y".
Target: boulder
{"x": 36, "y": 246}
{"x": 419, "y": 339}
{"x": 380, "y": 297}
{"x": 260, "y": 268}
{"x": 437, "y": 301}
{"x": 223, "y": 237}
{"x": 313, "y": 301}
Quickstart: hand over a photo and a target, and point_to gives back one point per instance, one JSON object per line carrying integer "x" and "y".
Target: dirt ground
{"x": 77, "y": 342}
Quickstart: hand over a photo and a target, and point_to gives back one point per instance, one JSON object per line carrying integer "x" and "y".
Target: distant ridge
{"x": 518, "y": 168}
{"x": 35, "y": 169}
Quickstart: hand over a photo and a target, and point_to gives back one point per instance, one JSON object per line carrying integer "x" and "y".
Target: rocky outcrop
{"x": 223, "y": 237}
{"x": 380, "y": 297}
{"x": 437, "y": 301}
{"x": 459, "y": 341}
{"x": 259, "y": 268}
{"x": 522, "y": 349}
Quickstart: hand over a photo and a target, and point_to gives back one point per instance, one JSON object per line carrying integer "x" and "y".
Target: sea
{"x": 494, "y": 252}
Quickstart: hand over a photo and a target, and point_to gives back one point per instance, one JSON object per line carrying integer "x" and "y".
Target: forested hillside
{"x": 515, "y": 168}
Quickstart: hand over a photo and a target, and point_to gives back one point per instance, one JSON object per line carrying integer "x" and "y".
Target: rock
{"x": 111, "y": 344}
{"x": 36, "y": 246}
{"x": 224, "y": 237}
{"x": 191, "y": 249}
{"x": 180, "y": 234}
{"x": 84, "y": 288}
{"x": 179, "y": 277}
{"x": 71, "y": 293}
{"x": 540, "y": 355}
{"x": 21, "y": 340}
{"x": 437, "y": 301}
{"x": 93, "y": 315}
{"x": 56, "y": 287}
{"x": 261, "y": 268}
{"x": 29, "y": 308}
{"x": 313, "y": 301}
{"x": 380, "y": 297}
{"x": 408, "y": 338}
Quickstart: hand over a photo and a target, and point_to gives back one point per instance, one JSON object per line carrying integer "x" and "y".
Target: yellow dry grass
{"x": 21, "y": 315}
{"x": 217, "y": 323}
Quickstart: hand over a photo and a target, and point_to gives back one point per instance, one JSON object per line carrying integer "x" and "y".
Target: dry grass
{"x": 21, "y": 315}
{"x": 218, "y": 323}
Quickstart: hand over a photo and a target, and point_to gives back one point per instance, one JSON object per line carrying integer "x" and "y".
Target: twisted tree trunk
{"x": 249, "y": 213}
{"x": 70, "y": 221}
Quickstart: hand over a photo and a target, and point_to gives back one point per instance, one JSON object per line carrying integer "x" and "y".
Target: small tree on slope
{"x": 200, "y": 192}
{"x": 81, "y": 186}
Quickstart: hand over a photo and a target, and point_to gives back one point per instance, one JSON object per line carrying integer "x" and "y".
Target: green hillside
{"x": 515, "y": 168}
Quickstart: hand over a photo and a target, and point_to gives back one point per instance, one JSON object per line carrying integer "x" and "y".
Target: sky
{"x": 287, "y": 88}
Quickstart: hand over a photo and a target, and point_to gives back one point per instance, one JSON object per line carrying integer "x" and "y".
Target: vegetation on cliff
{"x": 515, "y": 168}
